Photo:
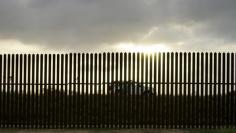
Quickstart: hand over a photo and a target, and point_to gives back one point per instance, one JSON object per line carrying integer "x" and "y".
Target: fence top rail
{"x": 167, "y": 52}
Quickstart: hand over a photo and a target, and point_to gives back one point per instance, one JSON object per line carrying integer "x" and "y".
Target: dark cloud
{"x": 90, "y": 25}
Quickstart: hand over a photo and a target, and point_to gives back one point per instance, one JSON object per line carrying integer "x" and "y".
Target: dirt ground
{"x": 118, "y": 131}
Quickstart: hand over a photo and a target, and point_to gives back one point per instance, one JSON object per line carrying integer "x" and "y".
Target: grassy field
{"x": 133, "y": 110}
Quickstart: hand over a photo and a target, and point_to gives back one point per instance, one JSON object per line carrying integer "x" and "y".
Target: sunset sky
{"x": 58, "y": 26}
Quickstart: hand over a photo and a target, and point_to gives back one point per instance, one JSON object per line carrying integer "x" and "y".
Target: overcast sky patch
{"x": 99, "y": 25}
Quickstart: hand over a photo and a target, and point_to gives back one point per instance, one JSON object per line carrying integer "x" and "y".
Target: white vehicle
{"x": 129, "y": 87}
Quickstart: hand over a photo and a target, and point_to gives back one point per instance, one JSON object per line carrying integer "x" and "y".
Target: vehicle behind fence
{"x": 118, "y": 90}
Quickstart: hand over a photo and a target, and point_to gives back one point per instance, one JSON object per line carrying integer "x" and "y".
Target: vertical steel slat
{"x": 124, "y": 91}
{"x": 171, "y": 91}
{"x": 155, "y": 103}
{"x": 210, "y": 111}
{"x": 21, "y": 91}
{"x": 45, "y": 91}
{"x": 180, "y": 122}
{"x": 62, "y": 119}
{"x": 215, "y": 99}
{"x": 4, "y": 90}
{"x": 138, "y": 115}
{"x": 1, "y": 92}
{"x": 145, "y": 85}
{"x": 232, "y": 107}
{"x": 180, "y": 118}
{"x": 230, "y": 115}
{"x": 124, "y": 94}
{"x": 95, "y": 91}
{"x": 8, "y": 100}
{"x": 40, "y": 91}
{"x": 16, "y": 89}
{"x": 104, "y": 91}
{"x": 12, "y": 93}
{"x": 193, "y": 109}
{"x": 172, "y": 104}
{"x": 8, "y": 114}
{"x": 167, "y": 96}
{"x": 116, "y": 93}
{"x": 9, "y": 78}
{"x": 151, "y": 93}
{"x": 49, "y": 88}
{"x": 176, "y": 87}
{"x": 227, "y": 103}
{"x": 111, "y": 91}
{"x": 75, "y": 91}
{"x": 91, "y": 92}
{"x": 219, "y": 91}
{"x": 223, "y": 90}
{"x": 100, "y": 90}
{"x": 120, "y": 92}
{"x": 201, "y": 108}
{"x": 159, "y": 100}
{"x": 146, "y": 97}
{"x": 126, "y": 99}
{"x": 142, "y": 87}
{"x": 82, "y": 89}
{"x": 206, "y": 122}
{"x": 234, "y": 94}
{"x": 58, "y": 98}
{"x": 9, "y": 91}
{"x": 70, "y": 96}
{"x": 189, "y": 98}
{"x": 66, "y": 108}
{"x": 78, "y": 93}
{"x": 24, "y": 93}
{"x": 224, "y": 74}
{"x": 37, "y": 74}
{"x": 54, "y": 93}
{"x": 108, "y": 107}
{"x": 87, "y": 90}
{"x": 20, "y": 94}
{"x": 133, "y": 93}
{"x": 163, "y": 108}
{"x": 197, "y": 90}
{"x": 185, "y": 117}
{"x": 33, "y": 92}
{"x": 49, "y": 94}
{"x": 129, "y": 97}
{"x": 3, "y": 69}
{"x": 29, "y": 100}
{"x": 184, "y": 91}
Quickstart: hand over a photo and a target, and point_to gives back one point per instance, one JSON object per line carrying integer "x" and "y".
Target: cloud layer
{"x": 98, "y": 25}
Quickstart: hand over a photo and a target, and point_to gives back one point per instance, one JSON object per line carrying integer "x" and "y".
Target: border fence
{"x": 118, "y": 90}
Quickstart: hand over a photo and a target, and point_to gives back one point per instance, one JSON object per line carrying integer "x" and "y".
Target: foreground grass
{"x": 118, "y": 131}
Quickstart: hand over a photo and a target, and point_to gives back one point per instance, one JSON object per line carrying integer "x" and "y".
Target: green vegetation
{"x": 116, "y": 110}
